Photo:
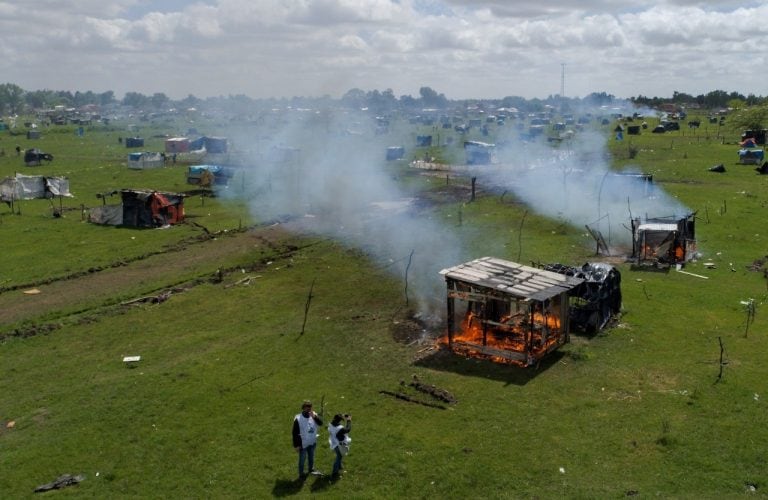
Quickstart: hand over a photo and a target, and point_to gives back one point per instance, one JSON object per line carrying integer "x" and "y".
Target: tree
{"x": 106, "y": 98}
{"x": 135, "y": 99}
{"x": 159, "y": 100}
{"x": 431, "y": 99}
{"x": 753, "y": 118}
{"x": 11, "y": 98}
{"x": 354, "y": 98}
{"x": 736, "y": 103}
{"x": 599, "y": 99}
{"x": 190, "y": 102}
{"x": 41, "y": 99}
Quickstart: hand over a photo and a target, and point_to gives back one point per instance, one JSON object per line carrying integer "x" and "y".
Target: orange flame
{"x": 514, "y": 334}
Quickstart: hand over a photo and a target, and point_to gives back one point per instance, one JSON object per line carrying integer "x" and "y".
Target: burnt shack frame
{"x": 522, "y": 312}
{"x": 664, "y": 240}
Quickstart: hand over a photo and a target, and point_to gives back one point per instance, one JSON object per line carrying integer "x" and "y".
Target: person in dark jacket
{"x": 338, "y": 438}
{"x": 305, "y": 426}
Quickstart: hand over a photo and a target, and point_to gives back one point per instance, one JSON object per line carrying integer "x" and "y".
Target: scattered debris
{"x": 692, "y": 274}
{"x": 244, "y": 281}
{"x": 60, "y": 482}
{"x": 405, "y": 397}
{"x": 717, "y": 168}
{"x": 758, "y": 264}
{"x": 152, "y": 299}
{"x": 433, "y": 391}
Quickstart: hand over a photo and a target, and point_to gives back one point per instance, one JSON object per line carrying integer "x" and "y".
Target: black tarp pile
{"x": 598, "y": 298}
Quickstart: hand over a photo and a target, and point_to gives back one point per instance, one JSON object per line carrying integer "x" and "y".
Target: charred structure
{"x": 664, "y": 240}
{"x": 597, "y": 299}
{"x": 511, "y": 313}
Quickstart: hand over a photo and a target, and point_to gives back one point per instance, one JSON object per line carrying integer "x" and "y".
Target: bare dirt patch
{"x": 93, "y": 289}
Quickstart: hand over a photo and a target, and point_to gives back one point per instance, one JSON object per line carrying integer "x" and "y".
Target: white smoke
{"x": 328, "y": 172}
{"x": 573, "y": 181}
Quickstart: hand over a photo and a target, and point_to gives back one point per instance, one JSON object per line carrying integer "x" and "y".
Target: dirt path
{"x": 194, "y": 260}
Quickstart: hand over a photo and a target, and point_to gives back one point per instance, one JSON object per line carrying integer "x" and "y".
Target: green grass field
{"x": 637, "y": 410}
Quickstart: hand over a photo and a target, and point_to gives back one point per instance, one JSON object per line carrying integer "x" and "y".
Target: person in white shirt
{"x": 339, "y": 440}
{"x": 305, "y": 426}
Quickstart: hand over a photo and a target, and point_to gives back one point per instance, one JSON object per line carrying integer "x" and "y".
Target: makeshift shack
{"x": 423, "y": 141}
{"x": 759, "y": 136}
{"x": 628, "y": 184}
{"x": 395, "y": 153}
{"x": 176, "y": 145}
{"x": 141, "y": 208}
{"x": 145, "y": 159}
{"x": 208, "y": 175}
{"x": 479, "y": 153}
{"x": 216, "y": 145}
{"x": 30, "y": 187}
{"x": 664, "y": 240}
{"x": 34, "y": 157}
{"x": 134, "y": 142}
{"x": 507, "y": 312}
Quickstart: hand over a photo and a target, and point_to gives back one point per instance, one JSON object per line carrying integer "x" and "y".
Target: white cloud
{"x": 463, "y": 48}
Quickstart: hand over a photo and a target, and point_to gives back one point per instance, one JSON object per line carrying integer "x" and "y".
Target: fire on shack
{"x": 513, "y": 313}
{"x": 664, "y": 240}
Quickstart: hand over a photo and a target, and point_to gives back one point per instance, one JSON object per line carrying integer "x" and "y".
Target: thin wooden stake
{"x": 750, "y": 316}
{"x": 722, "y": 363}
{"x": 407, "y": 267}
{"x": 306, "y": 306}
{"x": 520, "y": 236}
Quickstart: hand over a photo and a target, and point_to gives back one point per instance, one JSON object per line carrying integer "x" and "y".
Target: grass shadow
{"x": 287, "y": 487}
{"x": 445, "y": 360}
{"x": 321, "y": 484}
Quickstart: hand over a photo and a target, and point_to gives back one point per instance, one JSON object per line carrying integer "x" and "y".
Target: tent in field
{"x": 30, "y": 187}
{"x": 134, "y": 142}
{"x": 751, "y": 156}
{"x": 145, "y": 159}
{"x": 216, "y": 145}
{"x": 141, "y": 208}
{"x": 177, "y": 145}
{"x": 479, "y": 153}
{"x": 208, "y": 175}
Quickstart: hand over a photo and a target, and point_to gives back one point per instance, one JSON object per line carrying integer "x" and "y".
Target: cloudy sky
{"x": 462, "y": 48}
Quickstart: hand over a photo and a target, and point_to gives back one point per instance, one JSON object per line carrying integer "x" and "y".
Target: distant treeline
{"x": 15, "y": 100}
{"x": 710, "y": 100}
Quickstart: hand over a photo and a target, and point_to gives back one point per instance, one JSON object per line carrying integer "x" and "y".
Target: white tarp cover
{"x": 142, "y": 160}
{"x": 107, "y": 214}
{"x": 30, "y": 187}
{"x": 58, "y": 186}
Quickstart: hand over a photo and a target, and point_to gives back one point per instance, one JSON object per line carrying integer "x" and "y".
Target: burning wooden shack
{"x": 664, "y": 240}
{"x": 514, "y": 313}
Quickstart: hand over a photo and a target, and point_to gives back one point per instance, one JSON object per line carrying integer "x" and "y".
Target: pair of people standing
{"x": 305, "y": 432}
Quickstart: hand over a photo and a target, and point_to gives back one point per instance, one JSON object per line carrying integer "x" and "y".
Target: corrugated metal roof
{"x": 512, "y": 278}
